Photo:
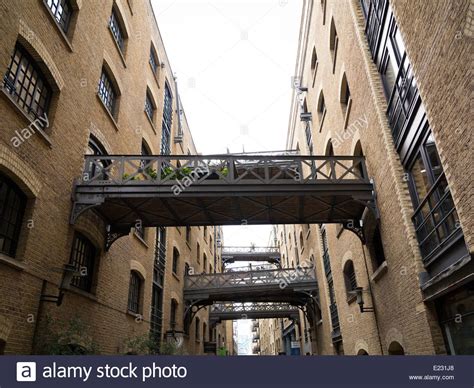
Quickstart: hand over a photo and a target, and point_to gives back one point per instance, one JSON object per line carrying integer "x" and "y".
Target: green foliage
{"x": 224, "y": 171}
{"x": 171, "y": 348}
{"x": 66, "y": 338}
{"x": 141, "y": 344}
{"x": 222, "y": 351}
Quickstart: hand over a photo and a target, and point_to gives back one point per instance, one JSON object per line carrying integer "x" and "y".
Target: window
{"x": 359, "y": 170}
{"x": 198, "y": 252}
{"x": 27, "y": 85}
{"x": 107, "y": 92}
{"x": 173, "y": 313}
{"x": 175, "y": 260}
{"x": 314, "y": 64}
{"x": 376, "y": 250}
{"x": 323, "y": 8}
{"x": 435, "y": 216}
{"x": 188, "y": 234}
{"x": 150, "y": 107}
{"x": 154, "y": 63}
{"x": 12, "y": 209}
{"x": 117, "y": 30}
{"x": 187, "y": 269}
{"x": 96, "y": 169}
{"x": 204, "y": 331}
{"x": 333, "y": 43}
{"x": 205, "y": 232}
{"x": 326, "y": 260}
{"x": 134, "y": 292}
{"x": 321, "y": 110}
{"x": 349, "y": 277}
{"x": 345, "y": 97}
{"x": 83, "y": 256}
{"x": 61, "y": 11}
{"x": 198, "y": 329}
{"x": 204, "y": 263}
{"x": 166, "y": 122}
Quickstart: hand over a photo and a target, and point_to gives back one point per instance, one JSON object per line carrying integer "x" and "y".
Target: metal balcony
{"x": 196, "y": 190}
{"x": 266, "y": 254}
{"x": 233, "y": 311}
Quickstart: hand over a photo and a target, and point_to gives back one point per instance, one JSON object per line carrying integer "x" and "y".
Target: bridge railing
{"x": 244, "y": 308}
{"x": 249, "y": 250}
{"x": 221, "y": 169}
{"x": 251, "y": 267}
{"x": 249, "y": 278}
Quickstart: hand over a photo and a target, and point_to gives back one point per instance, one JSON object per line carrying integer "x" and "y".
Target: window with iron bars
{"x": 61, "y": 11}
{"x": 134, "y": 293}
{"x": 107, "y": 93}
{"x": 27, "y": 85}
{"x": 166, "y": 122}
{"x": 117, "y": 30}
{"x": 149, "y": 107}
{"x": 83, "y": 256}
{"x": 153, "y": 60}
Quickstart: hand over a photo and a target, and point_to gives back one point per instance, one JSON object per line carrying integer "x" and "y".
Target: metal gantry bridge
{"x": 260, "y": 254}
{"x": 185, "y": 190}
{"x": 167, "y": 190}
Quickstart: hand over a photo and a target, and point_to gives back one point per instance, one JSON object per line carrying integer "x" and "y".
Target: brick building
{"x": 85, "y": 77}
{"x": 389, "y": 80}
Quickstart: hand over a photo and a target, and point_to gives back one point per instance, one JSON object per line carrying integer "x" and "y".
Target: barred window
{"x": 175, "y": 260}
{"x": 149, "y": 107}
{"x": 107, "y": 93}
{"x": 134, "y": 292}
{"x": 27, "y": 85}
{"x": 83, "y": 257}
{"x": 116, "y": 30}
{"x": 61, "y": 10}
{"x": 12, "y": 208}
{"x": 350, "y": 277}
{"x": 153, "y": 60}
{"x": 173, "y": 313}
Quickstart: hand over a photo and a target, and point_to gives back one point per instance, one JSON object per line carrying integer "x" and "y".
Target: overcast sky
{"x": 234, "y": 61}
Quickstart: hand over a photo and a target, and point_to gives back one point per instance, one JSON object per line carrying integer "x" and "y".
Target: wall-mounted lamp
{"x": 69, "y": 271}
{"x": 358, "y": 291}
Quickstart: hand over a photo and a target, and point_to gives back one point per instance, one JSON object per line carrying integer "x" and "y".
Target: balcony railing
{"x": 436, "y": 220}
{"x": 220, "y": 169}
{"x": 245, "y": 279}
{"x": 250, "y": 250}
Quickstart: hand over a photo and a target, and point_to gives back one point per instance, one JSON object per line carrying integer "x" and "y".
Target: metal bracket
{"x": 190, "y": 311}
{"x": 112, "y": 235}
{"x": 79, "y": 208}
{"x": 358, "y": 230}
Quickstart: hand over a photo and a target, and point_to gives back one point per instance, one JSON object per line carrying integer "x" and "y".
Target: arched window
{"x": 12, "y": 210}
{"x": 350, "y": 277}
{"x": 321, "y": 110}
{"x": 108, "y": 92}
{"x": 362, "y": 352}
{"x": 314, "y": 64}
{"x": 173, "y": 313}
{"x": 358, "y": 152}
{"x": 198, "y": 329}
{"x": 154, "y": 62}
{"x": 376, "y": 249}
{"x": 395, "y": 349}
{"x": 83, "y": 257}
{"x": 135, "y": 293}
{"x": 117, "y": 27}
{"x": 175, "y": 260}
{"x": 333, "y": 43}
{"x": 301, "y": 240}
{"x": 27, "y": 85}
{"x": 150, "y": 106}
{"x": 330, "y": 166}
{"x": 345, "y": 98}
{"x": 204, "y": 263}
{"x": 204, "y": 331}
{"x": 97, "y": 167}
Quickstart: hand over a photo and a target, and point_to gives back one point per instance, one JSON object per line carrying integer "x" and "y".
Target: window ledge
{"x": 59, "y": 29}
{"x": 114, "y": 122}
{"x": 83, "y": 293}
{"x": 12, "y": 262}
{"x": 45, "y": 137}
{"x": 379, "y": 272}
{"x": 151, "y": 122}
{"x": 351, "y": 298}
{"x": 121, "y": 55}
{"x": 140, "y": 238}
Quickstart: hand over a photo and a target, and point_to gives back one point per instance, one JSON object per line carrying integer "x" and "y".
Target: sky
{"x": 234, "y": 62}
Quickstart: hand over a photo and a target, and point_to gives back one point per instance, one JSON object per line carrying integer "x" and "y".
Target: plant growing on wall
{"x": 66, "y": 338}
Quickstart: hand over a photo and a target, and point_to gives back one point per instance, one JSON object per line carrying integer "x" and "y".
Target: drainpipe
{"x": 373, "y": 299}
{"x": 179, "y": 137}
